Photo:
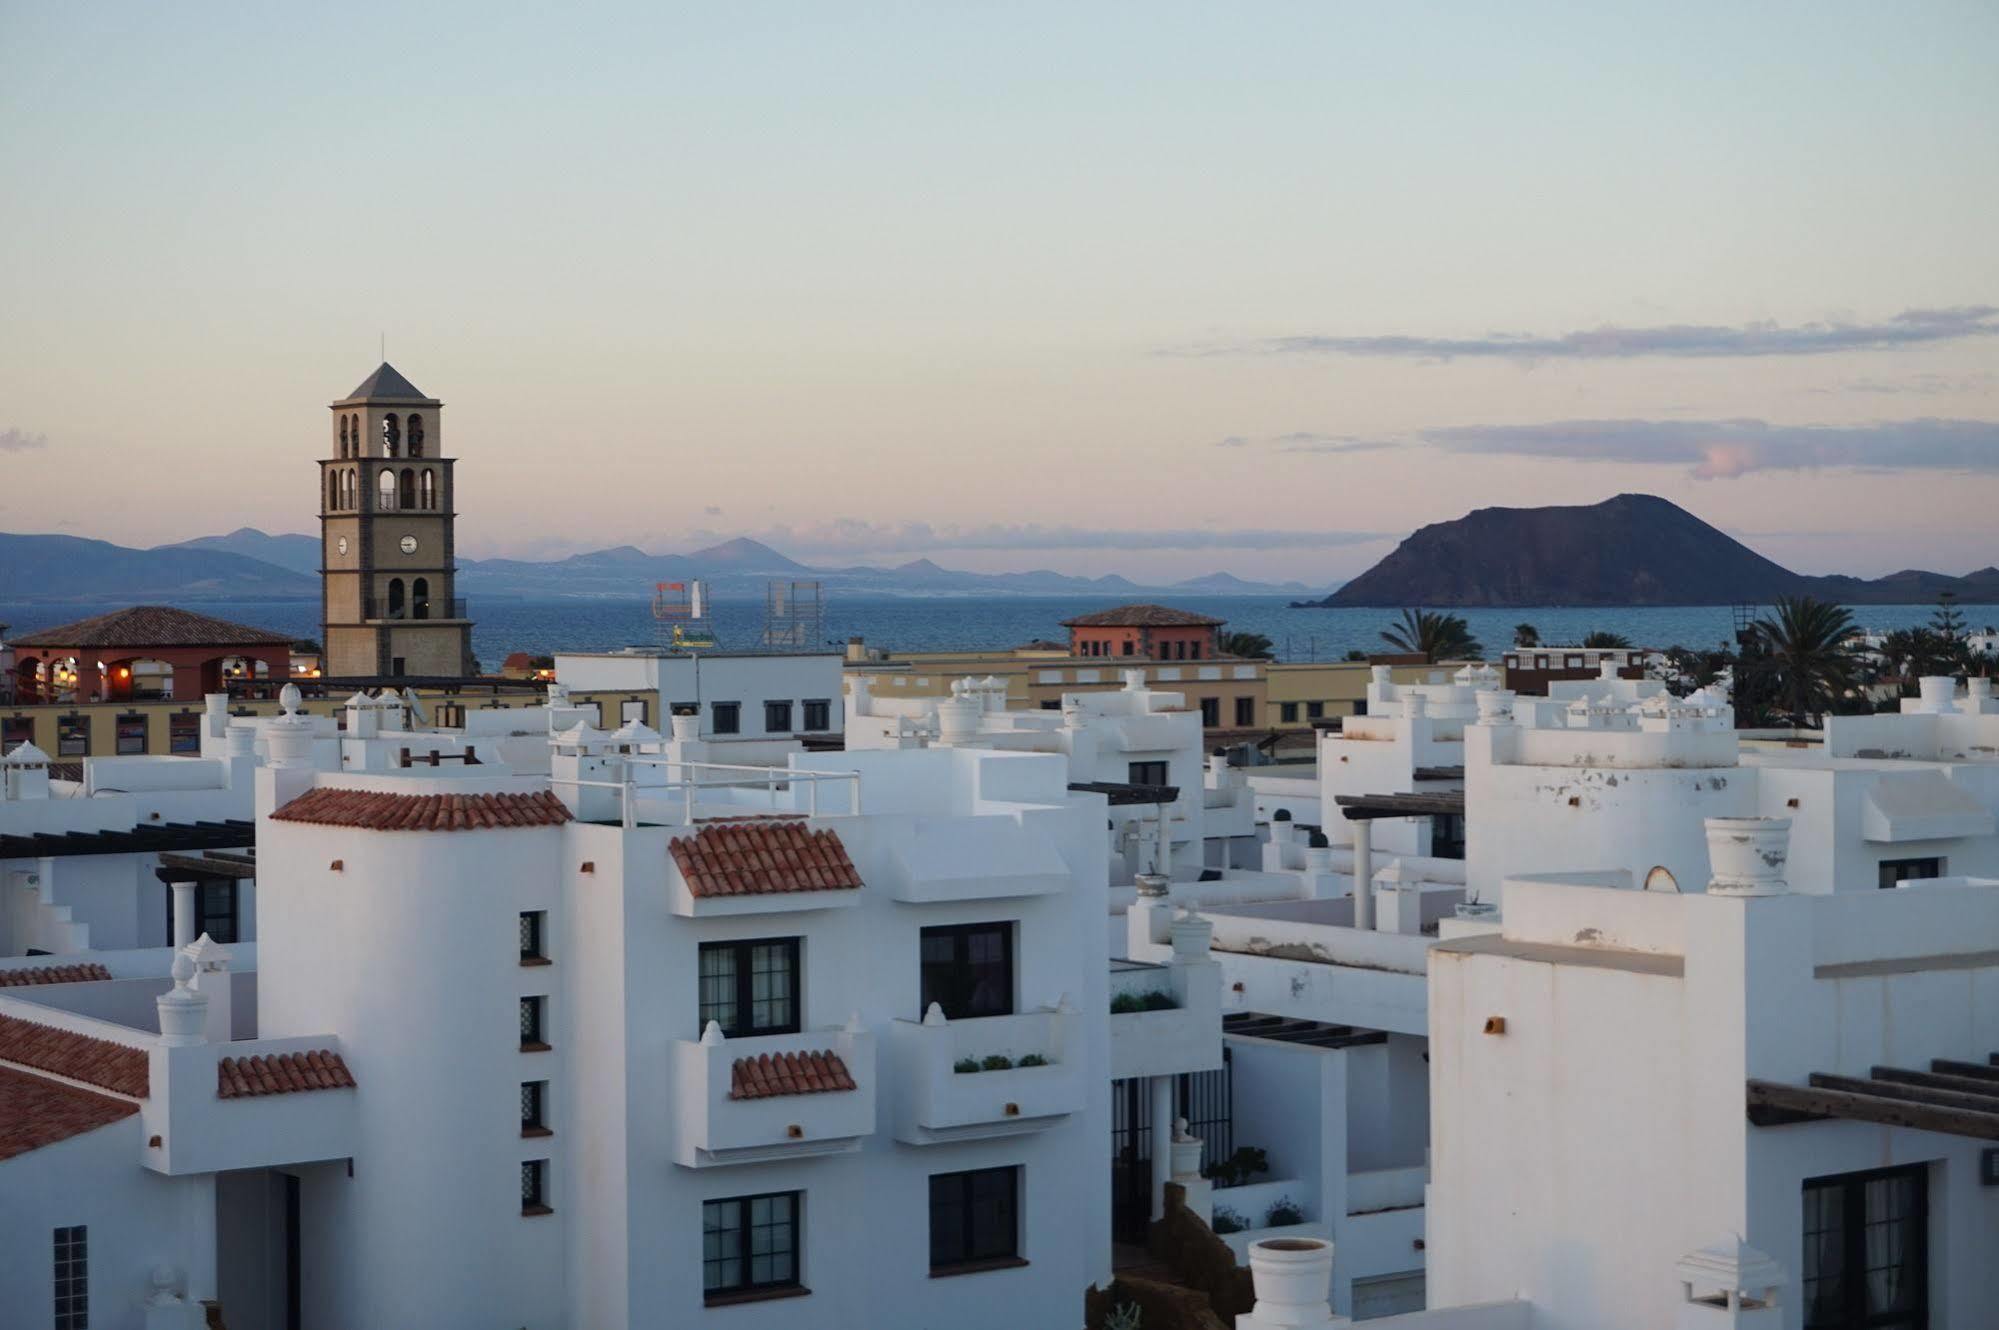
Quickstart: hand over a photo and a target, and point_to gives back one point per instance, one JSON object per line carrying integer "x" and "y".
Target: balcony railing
{"x": 1030, "y": 1074}
{"x": 723, "y": 1118}
{"x": 376, "y": 609}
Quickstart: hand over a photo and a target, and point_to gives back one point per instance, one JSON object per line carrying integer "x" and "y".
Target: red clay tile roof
{"x": 53, "y": 974}
{"x": 152, "y": 626}
{"x": 282, "y": 1073}
{"x": 35, "y": 1112}
{"x": 80, "y": 1057}
{"x": 329, "y": 806}
{"x": 766, "y": 1076}
{"x": 758, "y": 858}
{"x": 1143, "y": 616}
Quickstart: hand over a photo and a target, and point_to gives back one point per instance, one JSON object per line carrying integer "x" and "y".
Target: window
{"x": 1129, "y": 647}
{"x": 534, "y": 1030}
{"x": 396, "y": 666}
{"x": 420, "y": 598}
{"x": 396, "y": 598}
{"x": 130, "y": 730}
{"x": 406, "y": 492}
{"x": 1288, "y": 712}
{"x": 1211, "y": 713}
{"x": 974, "y": 1219}
{"x": 1894, "y": 871}
{"x": 72, "y": 736}
{"x": 1245, "y": 711}
{"x": 632, "y": 709}
{"x": 343, "y": 436}
{"x": 534, "y": 1109}
{"x": 968, "y": 970}
{"x": 15, "y": 731}
{"x": 1051, "y": 704}
{"x": 1146, "y": 773}
{"x": 818, "y": 714}
{"x": 749, "y": 1244}
{"x": 777, "y": 718}
{"x": 72, "y": 1278}
{"x": 184, "y": 732}
{"x": 427, "y": 489}
{"x": 1867, "y": 1251}
{"x": 416, "y": 435}
{"x": 391, "y": 436}
{"x": 1315, "y": 711}
{"x": 750, "y": 987}
{"x": 534, "y": 1187}
{"x": 385, "y": 491}
{"x": 725, "y": 717}
{"x": 534, "y": 924}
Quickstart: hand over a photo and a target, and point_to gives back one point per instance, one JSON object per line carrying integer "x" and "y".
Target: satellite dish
{"x": 1659, "y": 879}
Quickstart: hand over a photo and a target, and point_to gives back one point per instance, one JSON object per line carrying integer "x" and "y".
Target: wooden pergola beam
{"x": 1773, "y": 1104}
{"x": 1978, "y": 1071}
{"x": 1965, "y": 1085}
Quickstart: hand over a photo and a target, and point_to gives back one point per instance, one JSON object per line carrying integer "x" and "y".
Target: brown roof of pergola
{"x": 143, "y": 626}
{"x": 1953, "y": 1097}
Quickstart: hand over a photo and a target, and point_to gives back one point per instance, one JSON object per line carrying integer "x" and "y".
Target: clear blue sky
{"x": 1013, "y": 285}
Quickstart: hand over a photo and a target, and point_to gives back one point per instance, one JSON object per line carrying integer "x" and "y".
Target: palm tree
{"x": 1248, "y": 646}
{"x": 1608, "y": 641}
{"x": 1434, "y": 636}
{"x": 1526, "y": 636}
{"x": 1806, "y": 653}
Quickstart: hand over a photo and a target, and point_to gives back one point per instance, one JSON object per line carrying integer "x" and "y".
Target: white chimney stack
{"x": 1746, "y": 855}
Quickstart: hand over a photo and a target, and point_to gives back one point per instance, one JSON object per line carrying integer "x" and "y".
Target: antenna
{"x": 385, "y": 348}
{"x": 794, "y": 615}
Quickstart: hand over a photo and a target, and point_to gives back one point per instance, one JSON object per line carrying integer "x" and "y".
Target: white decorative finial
{"x": 290, "y": 699}
{"x": 854, "y": 1025}
{"x": 934, "y": 1015}
{"x": 712, "y": 1035}
{"x": 183, "y": 969}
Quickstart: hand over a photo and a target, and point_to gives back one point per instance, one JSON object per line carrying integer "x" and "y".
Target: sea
{"x": 909, "y": 623}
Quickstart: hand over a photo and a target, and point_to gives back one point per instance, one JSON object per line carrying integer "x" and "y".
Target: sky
{"x": 1147, "y": 288}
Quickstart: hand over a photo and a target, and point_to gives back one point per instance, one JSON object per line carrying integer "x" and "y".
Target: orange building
{"x": 148, "y": 651}
{"x": 1144, "y": 632}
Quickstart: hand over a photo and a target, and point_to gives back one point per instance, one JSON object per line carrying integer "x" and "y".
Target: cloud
{"x": 855, "y": 538}
{"x": 712, "y": 510}
{"x": 13, "y": 440}
{"x": 1305, "y": 441}
{"x": 1914, "y": 327}
{"x": 1925, "y": 385}
{"x": 1723, "y": 449}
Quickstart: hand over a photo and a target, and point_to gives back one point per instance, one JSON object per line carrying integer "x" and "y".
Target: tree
{"x": 1526, "y": 636}
{"x": 1948, "y": 621}
{"x": 1249, "y": 646}
{"x": 1804, "y": 652}
{"x": 1608, "y": 641}
{"x": 1433, "y": 636}
{"x": 1908, "y": 654}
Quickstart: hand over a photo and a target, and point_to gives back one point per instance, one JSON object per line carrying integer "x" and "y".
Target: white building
{"x": 762, "y": 704}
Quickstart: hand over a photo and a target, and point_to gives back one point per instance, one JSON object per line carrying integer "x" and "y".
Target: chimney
{"x": 183, "y": 1011}
{"x": 1294, "y": 1285}
{"x": 1495, "y": 706}
{"x": 1746, "y": 855}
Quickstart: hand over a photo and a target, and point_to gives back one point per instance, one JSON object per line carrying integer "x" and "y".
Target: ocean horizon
{"x": 981, "y": 623}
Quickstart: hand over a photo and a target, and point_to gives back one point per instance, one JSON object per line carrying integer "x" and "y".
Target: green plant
{"x": 1032, "y": 1060}
{"x": 996, "y": 1062}
{"x": 1124, "y": 1004}
{"x": 1239, "y": 1167}
{"x": 1227, "y": 1221}
{"x": 1282, "y": 1212}
{"x": 964, "y": 1065}
{"x": 1603, "y": 641}
{"x": 1126, "y": 1316}
{"x": 1433, "y": 636}
{"x": 1247, "y": 646}
{"x": 1806, "y": 655}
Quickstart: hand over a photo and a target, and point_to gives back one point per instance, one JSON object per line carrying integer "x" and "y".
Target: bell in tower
{"x": 388, "y": 593}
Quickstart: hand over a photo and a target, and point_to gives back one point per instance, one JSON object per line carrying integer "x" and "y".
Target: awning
{"x": 1921, "y": 805}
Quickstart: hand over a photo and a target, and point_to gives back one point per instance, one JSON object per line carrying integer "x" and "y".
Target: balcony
{"x": 748, "y": 1100}
{"x": 936, "y": 1102}
{"x": 1165, "y": 1019}
{"x": 950, "y": 859}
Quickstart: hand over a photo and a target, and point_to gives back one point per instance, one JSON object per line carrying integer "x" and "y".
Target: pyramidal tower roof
{"x": 386, "y": 384}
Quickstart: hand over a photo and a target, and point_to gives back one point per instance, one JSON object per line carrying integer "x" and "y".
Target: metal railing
{"x": 690, "y": 784}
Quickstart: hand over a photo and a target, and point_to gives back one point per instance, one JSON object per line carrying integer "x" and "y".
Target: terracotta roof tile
{"x": 759, "y": 858}
{"x": 1143, "y": 616}
{"x": 35, "y": 1112}
{"x": 80, "y": 1057}
{"x": 282, "y": 1073}
{"x": 53, "y": 974}
{"x": 768, "y": 1075}
{"x": 152, "y": 626}
{"x": 331, "y": 806}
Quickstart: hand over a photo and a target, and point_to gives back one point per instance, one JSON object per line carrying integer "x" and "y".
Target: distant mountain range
{"x": 1635, "y": 549}
{"x": 248, "y": 564}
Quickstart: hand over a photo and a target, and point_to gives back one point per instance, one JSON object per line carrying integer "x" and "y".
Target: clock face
{"x": 341, "y": 544}
{"x": 409, "y": 544}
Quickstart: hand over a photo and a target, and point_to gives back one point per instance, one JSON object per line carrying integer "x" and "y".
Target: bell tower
{"x": 388, "y": 567}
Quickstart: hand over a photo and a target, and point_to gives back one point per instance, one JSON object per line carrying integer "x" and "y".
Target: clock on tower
{"x": 388, "y": 604}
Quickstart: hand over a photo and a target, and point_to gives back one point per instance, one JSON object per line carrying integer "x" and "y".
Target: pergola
{"x": 1362, "y": 810}
{"x": 1957, "y": 1097}
{"x": 94, "y": 660}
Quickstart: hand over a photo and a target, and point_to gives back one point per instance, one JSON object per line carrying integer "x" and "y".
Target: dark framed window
{"x": 72, "y": 736}
{"x": 396, "y": 665}
{"x": 974, "y": 1219}
{"x": 1866, "y": 1263}
{"x": 967, "y": 969}
{"x": 633, "y": 709}
{"x": 215, "y": 911}
{"x": 1245, "y": 711}
{"x": 725, "y": 717}
{"x": 129, "y": 730}
{"x": 1129, "y": 647}
{"x": 1894, "y": 871}
{"x": 534, "y": 1187}
{"x": 777, "y": 718}
{"x": 184, "y": 732}
{"x": 1051, "y": 704}
{"x": 534, "y": 1108}
{"x": 750, "y": 987}
{"x": 15, "y": 731}
{"x": 1315, "y": 711}
{"x": 72, "y": 1278}
{"x": 818, "y": 714}
{"x": 534, "y": 1024}
{"x": 1288, "y": 712}
{"x": 749, "y": 1244}
{"x": 534, "y": 937}
{"x": 1146, "y": 773}
{"x": 1211, "y": 713}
